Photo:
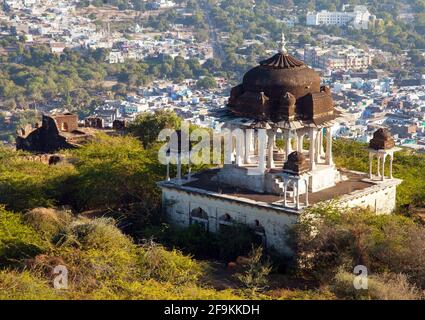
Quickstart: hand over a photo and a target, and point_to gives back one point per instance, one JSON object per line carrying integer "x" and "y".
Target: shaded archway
{"x": 200, "y": 217}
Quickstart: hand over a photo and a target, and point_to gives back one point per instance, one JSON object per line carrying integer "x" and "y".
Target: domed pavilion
{"x": 284, "y": 96}
{"x": 278, "y": 159}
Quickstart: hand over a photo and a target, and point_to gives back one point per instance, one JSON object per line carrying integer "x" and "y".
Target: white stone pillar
{"x": 228, "y": 148}
{"x": 179, "y": 168}
{"x": 288, "y": 146}
{"x": 306, "y": 192}
{"x": 285, "y": 189}
{"x": 322, "y": 151}
{"x": 300, "y": 142}
{"x": 270, "y": 160}
{"x": 312, "y": 152}
{"x": 317, "y": 142}
{"x": 329, "y": 160}
{"x": 167, "y": 176}
{"x": 239, "y": 151}
{"x": 383, "y": 167}
{"x": 256, "y": 143}
{"x": 262, "y": 150}
{"x": 189, "y": 170}
{"x": 297, "y": 199}
{"x": 248, "y": 143}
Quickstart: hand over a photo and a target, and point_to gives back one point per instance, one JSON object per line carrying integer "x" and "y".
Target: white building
{"x": 338, "y": 57}
{"x": 359, "y": 18}
{"x": 265, "y": 187}
{"x": 116, "y": 57}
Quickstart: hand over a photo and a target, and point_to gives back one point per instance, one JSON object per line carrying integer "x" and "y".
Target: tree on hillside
{"x": 147, "y": 126}
{"x": 207, "y": 82}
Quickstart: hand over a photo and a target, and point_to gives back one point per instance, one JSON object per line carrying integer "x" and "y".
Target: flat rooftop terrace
{"x": 206, "y": 181}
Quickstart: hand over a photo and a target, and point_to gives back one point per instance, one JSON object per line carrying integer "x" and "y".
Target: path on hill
{"x": 218, "y": 51}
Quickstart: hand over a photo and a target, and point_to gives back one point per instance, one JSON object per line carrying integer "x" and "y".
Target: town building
{"x": 337, "y": 57}
{"x": 359, "y": 18}
{"x": 266, "y": 187}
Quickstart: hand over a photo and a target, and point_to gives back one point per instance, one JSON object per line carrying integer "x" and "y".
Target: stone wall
{"x": 380, "y": 198}
{"x": 239, "y": 177}
{"x": 178, "y": 204}
{"x": 66, "y": 122}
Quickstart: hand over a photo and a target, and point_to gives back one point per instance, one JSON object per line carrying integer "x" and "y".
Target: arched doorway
{"x": 200, "y": 217}
{"x": 225, "y": 222}
{"x": 260, "y": 233}
{"x": 64, "y": 127}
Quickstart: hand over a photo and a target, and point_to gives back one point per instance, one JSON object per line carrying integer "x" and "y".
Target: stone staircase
{"x": 278, "y": 185}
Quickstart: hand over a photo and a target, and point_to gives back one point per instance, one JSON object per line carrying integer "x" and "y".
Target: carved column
{"x": 228, "y": 148}
{"x": 167, "y": 176}
{"x": 285, "y": 189}
{"x": 300, "y": 142}
{"x": 306, "y": 192}
{"x": 383, "y": 166}
{"x": 297, "y": 199}
{"x": 240, "y": 143}
{"x": 312, "y": 151}
{"x": 270, "y": 161}
{"x": 288, "y": 146}
{"x": 262, "y": 150}
{"x": 248, "y": 143}
{"x": 179, "y": 168}
{"x": 329, "y": 160}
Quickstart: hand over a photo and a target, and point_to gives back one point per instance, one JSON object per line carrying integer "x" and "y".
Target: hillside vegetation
{"x": 97, "y": 213}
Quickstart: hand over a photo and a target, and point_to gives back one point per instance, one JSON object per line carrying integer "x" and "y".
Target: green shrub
{"x": 93, "y": 269}
{"x": 27, "y": 184}
{"x": 380, "y": 287}
{"x": 327, "y": 238}
{"x": 169, "y": 266}
{"x": 48, "y": 221}
{"x": 17, "y": 240}
{"x": 99, "y": 233}
{"x": 255, "y": 274}
{"x": 16, "y": 285}
{"x": 297, "y": 294}
{"x": 97, "y": 254}
{"x": 114, "y": 172}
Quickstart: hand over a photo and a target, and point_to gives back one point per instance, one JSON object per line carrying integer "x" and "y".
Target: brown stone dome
{"x": 296, "y": 163}
{"x": 279, "y": 74}
{"x": 382, "y": 139}
{"x": 281, "y": 88}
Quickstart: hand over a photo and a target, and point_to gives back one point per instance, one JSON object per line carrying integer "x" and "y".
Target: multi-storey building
{"x": 337, "y": 58}
{"x": 359, "y": 18}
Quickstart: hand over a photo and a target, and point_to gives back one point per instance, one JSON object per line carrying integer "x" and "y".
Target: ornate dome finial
{"x": 283, "y": 44}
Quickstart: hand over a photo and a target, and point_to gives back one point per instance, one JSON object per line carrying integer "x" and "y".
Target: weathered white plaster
{"x": 275, "y": 221}
{"x": 179, "y": 201}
